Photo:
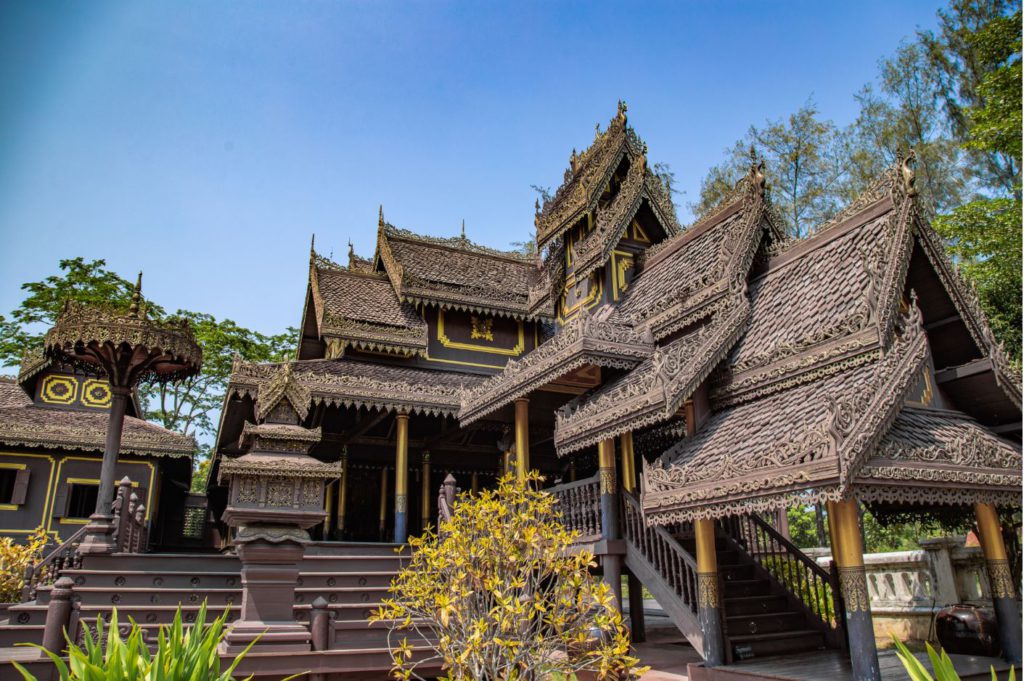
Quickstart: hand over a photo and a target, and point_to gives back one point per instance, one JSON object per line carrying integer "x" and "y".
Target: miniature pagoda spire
{"x": 133, "y": 309}
{"x": 380, "y": 217}
{"x": 463, "y": 229}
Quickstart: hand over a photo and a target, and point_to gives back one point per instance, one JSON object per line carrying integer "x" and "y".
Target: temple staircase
{"x": 776, "y": 600}
{"x": 351, "y": 578}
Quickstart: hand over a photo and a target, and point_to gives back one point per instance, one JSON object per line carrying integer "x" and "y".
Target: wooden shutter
{"x": 60, "y": 500}
{"x": 20, "y": 486}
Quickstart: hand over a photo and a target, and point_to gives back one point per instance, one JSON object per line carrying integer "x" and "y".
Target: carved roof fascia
{"x": 859, "y": 421}
{"x": 33, "y": 361}
{"x": 81, "y": 433}
{"x": 710, "y": 293}
{"x": 546, "y": 280}
{"x": 654, "y": 391}
{"x": 374, "y": 336}
{"x": 611, "y": 223}
{"x": 282, "y": 385}
{"x": 273, "y": 465}
{"x": 392, "y": 393}
{"x": 584, "y": 340}
{"x": 459, "y": 299}
{"x": 818, "y": 463}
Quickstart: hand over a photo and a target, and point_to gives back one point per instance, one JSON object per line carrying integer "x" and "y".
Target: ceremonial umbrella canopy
{"x": 127, "y": 349}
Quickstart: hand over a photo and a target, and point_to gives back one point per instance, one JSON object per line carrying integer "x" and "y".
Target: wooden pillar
{"x": 329, "y": 509}
{"x": 572, "y": 471}
{"x": 628, "y": 462}
{"x": 782, "y": 522}
{"x": 99, "y": 533}
{"x": 339, "y": 526}
{"x": 401, "y": 477}
{"x": 611, "y": 563}
{"x": 506, "y": 462}
{"x": 709, "y": 598}
{"x": 425, "y": 496}
{"x": 1003, "y": 593}
{"x": 474, "y": 483}
{"x": 383, "y": 502}
{"x": 848, "y": 555}
{"x": 522, "y": 438}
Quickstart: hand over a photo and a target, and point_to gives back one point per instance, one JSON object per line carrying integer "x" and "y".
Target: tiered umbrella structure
{"x": 127, "y": 349}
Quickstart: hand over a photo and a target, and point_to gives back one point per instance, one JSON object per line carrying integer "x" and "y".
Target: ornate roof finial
{"x": 621, "y": 113}
{"x": 573, "y": 160}
{"x": 757, "y": 177}
{"x": 133, "y": 309}
{"x": 908, "y": 174}
{"x": 597, "y": 131}
{"x": 351, "y": 250}
{"x": 463, "y": 229}
{"x": 380, "y": 217}
{"x": 536, "y": 205}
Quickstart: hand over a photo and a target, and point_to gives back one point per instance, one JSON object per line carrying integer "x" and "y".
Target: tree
{"x": 501, "y": 595}
{"x": 804, "y": 163}
{"x": 974, "y": 41}
{"x": 186, "y": 407}
{"x": 81, "y": 282}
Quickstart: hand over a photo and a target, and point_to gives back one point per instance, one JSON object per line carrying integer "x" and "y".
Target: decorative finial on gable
{"x": 573, "y": 160}
{"x": 463, "y": 229}
{"x": 621, "y": 113}
{"x": 757, "y": 177}
{"x": 133, "y": 309}
{"x": 536, "y": 205}
{"x": 908, "y": 174}
{"x": 351, "y": 250}
{"x": 380, "y": 217}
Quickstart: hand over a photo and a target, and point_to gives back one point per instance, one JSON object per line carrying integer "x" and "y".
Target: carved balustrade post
{"x": 121, "y": 517}
{"x": 848, "y": 551}
{"x": 1003, "y": 592}
{"x": 58, "y": 615}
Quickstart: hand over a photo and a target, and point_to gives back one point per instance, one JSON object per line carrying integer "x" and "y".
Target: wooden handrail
{"x": 565, "y": 486}
{"x": 46, "y": 571}
{"x": 790, "y": 547}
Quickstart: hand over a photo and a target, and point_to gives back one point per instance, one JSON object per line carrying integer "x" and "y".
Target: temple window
{"x": 81, "y": 500}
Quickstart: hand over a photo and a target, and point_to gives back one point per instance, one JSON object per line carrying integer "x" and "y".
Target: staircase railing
{"x": 130, "y": 533}
{"x": 659, "y": 548}
{"x": 806, "y": 581}
{"x": 580, "y": 505}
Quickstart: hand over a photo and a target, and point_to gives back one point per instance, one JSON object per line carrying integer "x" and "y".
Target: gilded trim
{"x": 1000, "y": 578}
{"x": 47, "y": 395}
{"x": 514, "y": 351}
{"x": 707, "y": 590}
{"x": 608, "y": 483}
{"x": 853, "y": 583}
{"x": 86, "y": 395}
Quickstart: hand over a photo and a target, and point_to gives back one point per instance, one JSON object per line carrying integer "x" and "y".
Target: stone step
{"x": 779, "y": 643}
{"x": 739, "y": 571}
{"x": 13, "y": 634}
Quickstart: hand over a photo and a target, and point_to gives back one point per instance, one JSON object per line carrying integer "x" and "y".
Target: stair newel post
{"x": 848, "y": 550}
{"x": 319, "y": 623}
{"x": 1003, "y": 591}
{"x": 58, "y": 615}
{"x": 709, "y": 596}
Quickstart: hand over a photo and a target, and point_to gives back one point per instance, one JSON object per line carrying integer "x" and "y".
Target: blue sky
{"x": 205, "y": 142}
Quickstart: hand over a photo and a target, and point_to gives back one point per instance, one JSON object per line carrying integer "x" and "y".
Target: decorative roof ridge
{"x": 815, "y": 465}
{"x": 859, "y": 421}
{"x": 459, "y": 244}
{"x": 660, "y": 252}
{"x": 668, "y": 378}
{"x": 588, "y": 338}
{"x": 587, "y": 175}
{"x": 33, "y": 361}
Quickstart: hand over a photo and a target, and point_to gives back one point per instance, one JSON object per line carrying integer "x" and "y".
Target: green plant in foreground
{"x": 181, "y": 655}
{"x": 941, "y": 665}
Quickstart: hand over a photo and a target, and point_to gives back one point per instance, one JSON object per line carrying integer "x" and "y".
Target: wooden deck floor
{"x": 832, "y": 666}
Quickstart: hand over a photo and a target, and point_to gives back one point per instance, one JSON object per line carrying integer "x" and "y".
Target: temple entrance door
{"x": 362, "y": 514}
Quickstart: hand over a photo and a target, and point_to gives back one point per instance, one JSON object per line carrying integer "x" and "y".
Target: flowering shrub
{"x": 14, "y": 558}
{"x": 500, "y": 594}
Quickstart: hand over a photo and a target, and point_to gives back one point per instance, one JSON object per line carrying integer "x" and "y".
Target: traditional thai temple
{"x": 678, "y": 387}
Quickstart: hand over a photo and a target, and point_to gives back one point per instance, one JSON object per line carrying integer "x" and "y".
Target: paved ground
{"x": 665, "y": 651}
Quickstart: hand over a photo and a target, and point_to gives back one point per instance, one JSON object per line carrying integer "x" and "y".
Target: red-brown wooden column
{"x": 1003, "y": 592}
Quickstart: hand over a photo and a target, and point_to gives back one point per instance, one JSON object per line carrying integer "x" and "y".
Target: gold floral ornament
{"x": 500, "y": 593}
{"x": 125, "y": 347}
{"x": 481, "y": 328}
